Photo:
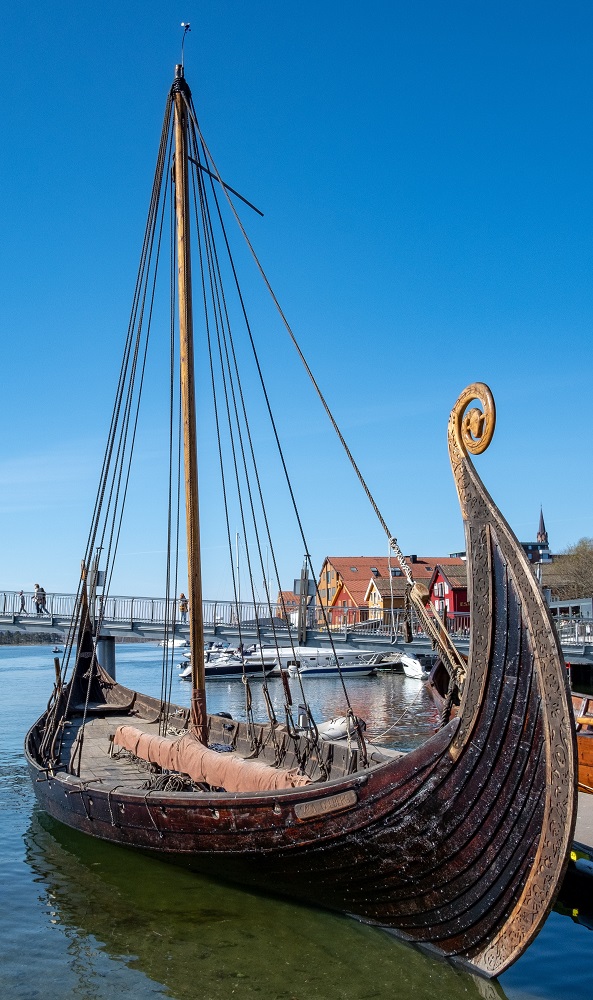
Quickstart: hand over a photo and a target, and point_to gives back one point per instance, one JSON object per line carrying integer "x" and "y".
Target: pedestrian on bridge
{"x": 23, "y": 607}
{"x": 40, "y": 599}
{"x": 183, "y": 608}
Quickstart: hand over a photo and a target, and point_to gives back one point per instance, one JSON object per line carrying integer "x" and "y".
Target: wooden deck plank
{"x": 97, "y": 764}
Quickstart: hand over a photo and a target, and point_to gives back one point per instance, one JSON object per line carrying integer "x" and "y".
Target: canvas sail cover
{"x": 186, "y": 755}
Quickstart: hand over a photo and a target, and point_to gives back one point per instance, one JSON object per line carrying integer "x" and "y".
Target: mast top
{"x": 186, "y": 27}
{"x": 179, "y": 85}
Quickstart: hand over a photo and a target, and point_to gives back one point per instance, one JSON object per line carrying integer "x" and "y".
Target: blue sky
{"x": 425, "y": 172}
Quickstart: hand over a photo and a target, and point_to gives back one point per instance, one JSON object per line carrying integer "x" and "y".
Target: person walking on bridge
{"x": 183, "y": 608}
{"x": 41, "y": 599}
{"x": 23, "y": 607}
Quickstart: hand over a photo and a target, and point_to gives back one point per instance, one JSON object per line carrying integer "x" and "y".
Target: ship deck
{"x": 98, "y": 762}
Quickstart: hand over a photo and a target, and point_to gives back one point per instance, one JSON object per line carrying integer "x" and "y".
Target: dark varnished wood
{"x": 582, "y": 705}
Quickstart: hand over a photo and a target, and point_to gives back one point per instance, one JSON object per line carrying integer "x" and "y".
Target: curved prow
{"x": 516, "y": 690}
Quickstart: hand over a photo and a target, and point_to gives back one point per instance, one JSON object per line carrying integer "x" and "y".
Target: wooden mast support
{"x": 188, "y": 401}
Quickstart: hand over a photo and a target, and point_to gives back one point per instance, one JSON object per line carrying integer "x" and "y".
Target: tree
{"x": 573, "y": 572}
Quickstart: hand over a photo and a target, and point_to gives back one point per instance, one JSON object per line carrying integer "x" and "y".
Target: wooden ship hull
{"x": 582, "y": 706}
{"x": 459, "y": 846}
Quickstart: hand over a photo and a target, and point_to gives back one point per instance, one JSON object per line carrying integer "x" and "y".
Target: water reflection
{"x": 398, "y": 710}
{"x": 193, "y": 937}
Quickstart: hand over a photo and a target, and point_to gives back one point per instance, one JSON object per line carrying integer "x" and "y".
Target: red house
{"x": 448, "y": 594}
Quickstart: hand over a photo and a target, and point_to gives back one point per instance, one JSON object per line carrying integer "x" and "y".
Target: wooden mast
{"x": 186, "y": 353}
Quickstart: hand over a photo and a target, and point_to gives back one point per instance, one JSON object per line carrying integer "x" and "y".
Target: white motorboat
{"x": 324, "y": 663}
{"x": 299, "y": 657}
{"x": 415, "y": 667}
{"x": 227, "y": 663}
{"x": 310, "y": 660}
{"x": 175, "y": 643}
{"x": 212, "y": 652}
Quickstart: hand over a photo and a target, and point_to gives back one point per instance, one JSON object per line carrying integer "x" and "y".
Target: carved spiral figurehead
{"x": 471, "y": 430}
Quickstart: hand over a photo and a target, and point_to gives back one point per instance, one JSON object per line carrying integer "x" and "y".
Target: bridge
{"x": 224, "y": 621}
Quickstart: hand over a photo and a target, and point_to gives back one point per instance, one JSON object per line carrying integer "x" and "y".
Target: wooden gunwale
{"x": 238, "y": 802}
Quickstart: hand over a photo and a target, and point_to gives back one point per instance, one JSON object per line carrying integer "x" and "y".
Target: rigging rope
{"x": 233, "y": 375}
{"x": 114, "y": 477}
{"x": 437, "y": 634}
{"x": 106, "y": 524}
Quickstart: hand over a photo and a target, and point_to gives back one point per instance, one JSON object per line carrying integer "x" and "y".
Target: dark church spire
{"x": 542, "y": 534}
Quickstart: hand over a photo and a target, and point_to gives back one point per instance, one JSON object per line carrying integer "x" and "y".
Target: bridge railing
{"x": 127, "y": 611}
{"x": 57, "y": 605}
{"x": 392, "y": 622}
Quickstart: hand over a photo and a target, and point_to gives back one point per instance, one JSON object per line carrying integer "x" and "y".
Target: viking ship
{"x": 458, "y": 846}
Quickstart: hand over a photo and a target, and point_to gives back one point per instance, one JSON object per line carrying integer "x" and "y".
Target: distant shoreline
{"x": 51, "y": 639}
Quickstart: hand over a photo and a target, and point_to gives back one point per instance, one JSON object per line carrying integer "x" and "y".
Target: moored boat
{"x": 413, "y": 667}
{"x": 308, "y": 661}
{"x": 460, "y": 845}
{"x": 231, "y": 665}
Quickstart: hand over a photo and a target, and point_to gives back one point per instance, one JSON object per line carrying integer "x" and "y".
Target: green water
{"x": 82, "y": 919}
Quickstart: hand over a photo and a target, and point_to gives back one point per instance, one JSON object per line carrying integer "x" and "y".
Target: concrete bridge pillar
{"x": 106, "y": 654}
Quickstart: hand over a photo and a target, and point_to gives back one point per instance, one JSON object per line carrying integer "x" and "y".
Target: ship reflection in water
{"x": 192, "y": 937}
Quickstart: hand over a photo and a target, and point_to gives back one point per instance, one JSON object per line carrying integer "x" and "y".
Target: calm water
{"x": 86, "y": 920}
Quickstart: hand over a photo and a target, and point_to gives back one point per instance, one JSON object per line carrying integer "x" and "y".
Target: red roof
{"x": 291, "y": 600}
{"x": 357, "y": 571}
{"x": 288, "y": 596}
